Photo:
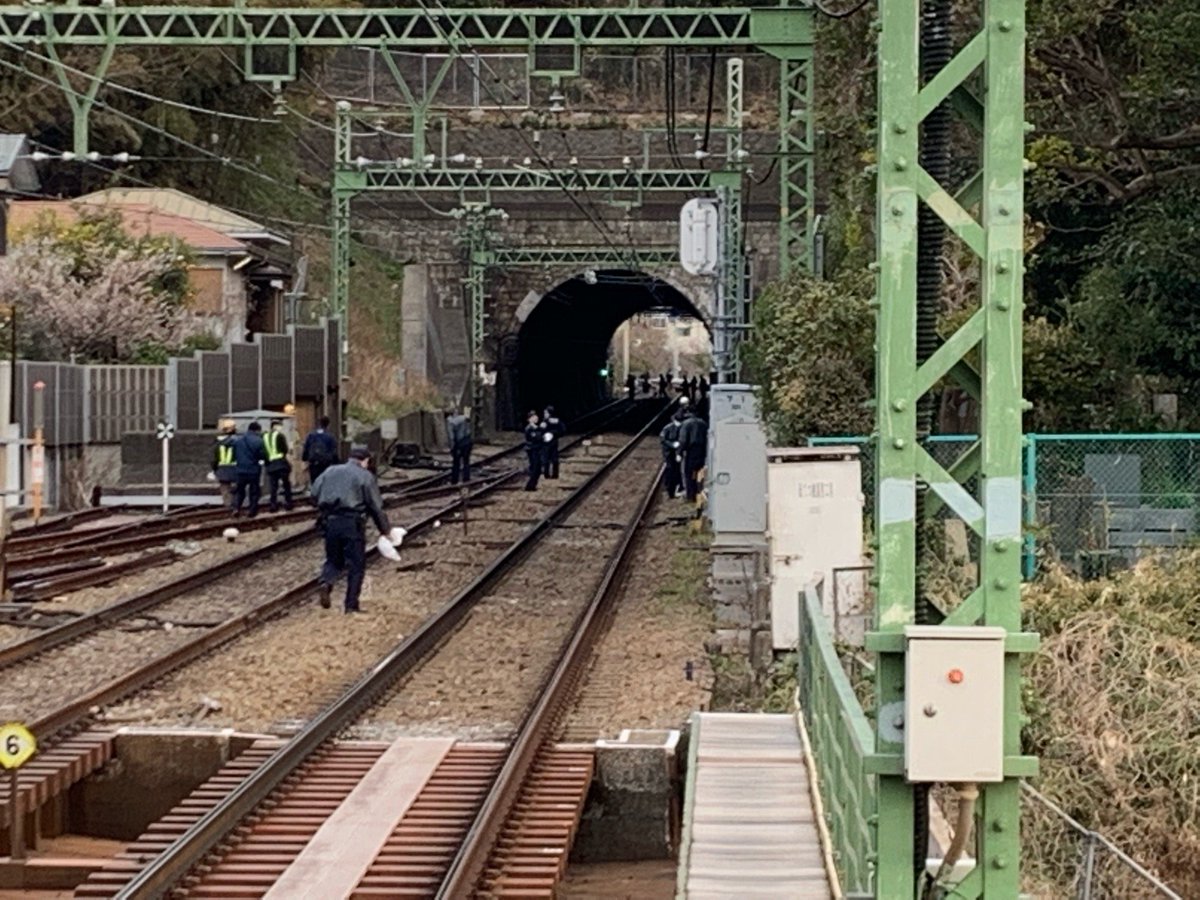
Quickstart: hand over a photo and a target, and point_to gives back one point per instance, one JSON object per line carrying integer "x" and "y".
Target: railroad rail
{"x": 145, "y": 601}
{"x": 189, "y": 848}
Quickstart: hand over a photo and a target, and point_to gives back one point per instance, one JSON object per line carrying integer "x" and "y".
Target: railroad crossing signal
{"x": 165, "y": 431}
{"x": 17, "y": 744}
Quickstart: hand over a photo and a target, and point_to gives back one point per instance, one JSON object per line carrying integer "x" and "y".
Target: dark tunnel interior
{"x": 563, "y": 346}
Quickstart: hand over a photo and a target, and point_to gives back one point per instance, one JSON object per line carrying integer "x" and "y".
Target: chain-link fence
{"x": 1096, "y": 502}
{"x": 1063, "y": 858}
{"x": 1101, "y": 501}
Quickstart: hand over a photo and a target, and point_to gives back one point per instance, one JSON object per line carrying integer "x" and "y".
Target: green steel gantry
{"x": 992, "y": 61}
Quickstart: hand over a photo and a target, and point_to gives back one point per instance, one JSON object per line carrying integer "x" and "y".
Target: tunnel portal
{"x": 562, "y": 348}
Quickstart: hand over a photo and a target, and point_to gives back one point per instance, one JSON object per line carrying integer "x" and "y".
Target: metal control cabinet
{"x": 954, "y": 704}
{"x": 737, "y": 462}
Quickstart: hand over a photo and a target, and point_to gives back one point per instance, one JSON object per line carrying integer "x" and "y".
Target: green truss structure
{"x": 992, "y": 61}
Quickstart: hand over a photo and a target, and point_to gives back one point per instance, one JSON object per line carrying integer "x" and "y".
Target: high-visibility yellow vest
{"x": 225, "y": 455}
{"x": 271, "y": 438}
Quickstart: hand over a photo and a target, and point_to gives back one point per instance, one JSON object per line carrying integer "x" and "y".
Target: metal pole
{"x": 39, "y": 449}
{"x": 17, "y": 826}
{"x": 1029, "y": 556}
{"x": 166, "y": 474}
{"x": 1089, "y": 867}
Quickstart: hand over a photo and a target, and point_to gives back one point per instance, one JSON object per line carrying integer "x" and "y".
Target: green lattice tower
{"x": 994, "y": 235}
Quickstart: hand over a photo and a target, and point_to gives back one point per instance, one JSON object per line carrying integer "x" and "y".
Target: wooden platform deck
{"x": 748, "y": 825}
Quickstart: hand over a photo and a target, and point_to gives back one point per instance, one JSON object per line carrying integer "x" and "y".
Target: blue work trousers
{"x": 345, "y": 551}
{"x": 460, "y": 463}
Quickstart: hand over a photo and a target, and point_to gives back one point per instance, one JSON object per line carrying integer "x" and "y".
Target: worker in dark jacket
{"x": 320, "y": 450}
{"x": 223, "y": 466}
{"x": 535, "y": 439}
{"x": 250, "y": 454}
{"x": 346, "y": 494}
{"x": 279, "y": 469}
{"x": 554, "y": 428}
{"x": 668, "y": 439}
{"x": 458, "y": 430}
{"x": 693, "y": 446}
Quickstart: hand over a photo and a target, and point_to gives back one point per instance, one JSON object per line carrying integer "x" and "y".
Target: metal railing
{"x": 841, "y": 738}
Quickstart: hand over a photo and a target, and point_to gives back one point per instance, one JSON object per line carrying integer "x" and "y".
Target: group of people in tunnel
{"x": 684, "y": 442}
{"x": 542, "y": 434}
{"x": 695, "y": 389}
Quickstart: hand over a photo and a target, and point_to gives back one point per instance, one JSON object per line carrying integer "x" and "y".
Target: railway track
{"x": 214, "y": 605}
{"x": 507, "y": 784}
{"x": 276, "y": 553}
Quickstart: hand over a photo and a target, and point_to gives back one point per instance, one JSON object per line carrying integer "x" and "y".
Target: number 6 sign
{"x": 17, "y": 744}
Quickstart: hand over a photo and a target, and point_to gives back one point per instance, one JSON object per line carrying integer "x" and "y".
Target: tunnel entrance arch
{"x": 562, "y": 346}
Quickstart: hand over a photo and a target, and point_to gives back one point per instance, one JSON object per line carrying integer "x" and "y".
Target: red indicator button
{"x": 955, "y": 676}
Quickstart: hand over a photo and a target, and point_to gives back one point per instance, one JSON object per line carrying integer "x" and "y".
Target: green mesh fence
{"x": 1095, "y": 502}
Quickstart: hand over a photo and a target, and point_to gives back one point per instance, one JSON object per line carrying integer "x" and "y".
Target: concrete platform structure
{"x": 749, "y": 828}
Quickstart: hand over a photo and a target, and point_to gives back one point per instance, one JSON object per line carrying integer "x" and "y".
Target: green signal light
{"x": 604, "y": 373}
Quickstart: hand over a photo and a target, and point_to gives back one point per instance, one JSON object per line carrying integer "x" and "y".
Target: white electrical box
{"x": 815, "y": 526}
{"x": 954, "y": 703}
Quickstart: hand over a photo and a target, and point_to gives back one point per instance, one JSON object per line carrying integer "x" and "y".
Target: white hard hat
{"x": 396, "y": 535}
{"x": 683, "y": 401}
{"x": 387, "y": 549}
{"x": 230, "y": 534}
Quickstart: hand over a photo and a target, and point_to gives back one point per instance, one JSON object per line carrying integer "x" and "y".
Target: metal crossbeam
{"x": 374, "y": 177}
{"x": 586, "y": 257}
{"x": 410, "y": 29}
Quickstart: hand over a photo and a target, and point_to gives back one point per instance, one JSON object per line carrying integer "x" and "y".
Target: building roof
{"x": 177, "y": 203}
{"x": 16, "y": 172}
{"x": 138, "y": 220}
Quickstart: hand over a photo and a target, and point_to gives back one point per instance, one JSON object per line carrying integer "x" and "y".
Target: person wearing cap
{"x": 346, "y": 495}
{"x": 668, "y": 440}
{"x": 224, "y": 468}
{"x": 535, "y": 439}
{"x": 279, "y": 469}
{"x": 554, "y": 428}
{"x": 249, "y": 454}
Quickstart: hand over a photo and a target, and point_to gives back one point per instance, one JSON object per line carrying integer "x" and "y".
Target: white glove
{"x": 211, "y": 476}
{"x": 676, "y": 445}
{"x": 396, "y": 535}
{"x": 547, "y": 437}
{"x": 386, "y": 549}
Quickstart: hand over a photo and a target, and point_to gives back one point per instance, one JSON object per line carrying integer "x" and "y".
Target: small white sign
{"x": 699, "y": 232}
{"x": 165, "y": 431}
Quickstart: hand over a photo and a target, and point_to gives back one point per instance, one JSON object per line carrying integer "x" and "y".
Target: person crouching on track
{"x": 346, "y": 494}
{"x": 535, "y": 440}
{"x": 250, "y": 454}
{"x": 279, "y": 470}
{"x": 554, "y": 429}
{"x": 224, "y": 467}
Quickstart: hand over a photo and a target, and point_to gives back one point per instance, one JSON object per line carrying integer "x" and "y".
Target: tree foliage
{"x": 89, "y": 292}
{"x": 811, "y": 356}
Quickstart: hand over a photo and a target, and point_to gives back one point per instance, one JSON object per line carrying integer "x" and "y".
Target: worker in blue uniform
{"x": 250, "y": 454}
{"x": 458, "y": 430}
{"x": 279, "y": 469}
{"x": 693, "y": 446}
{"x": 668, "y": 440}
{"x": 535, "y": 439}
{"x": 320, "y": 450}
{"x": 554, "y": 429}
{"x": 346, "y": 495}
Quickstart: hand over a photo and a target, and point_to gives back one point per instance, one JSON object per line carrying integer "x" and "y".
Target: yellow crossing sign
{"x": 17, "y": 744}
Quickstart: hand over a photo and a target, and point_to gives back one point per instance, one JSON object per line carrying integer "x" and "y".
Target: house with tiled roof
{"x": 236, "y": 276}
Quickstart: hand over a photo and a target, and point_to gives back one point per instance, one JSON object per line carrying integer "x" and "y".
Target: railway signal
{"x": 164, "y": 432}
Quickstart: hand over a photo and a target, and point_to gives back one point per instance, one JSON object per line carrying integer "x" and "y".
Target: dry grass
{"x": 1114, "y": 716}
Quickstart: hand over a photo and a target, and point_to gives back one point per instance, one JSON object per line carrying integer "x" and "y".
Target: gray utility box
{"x": 737, "y": 462}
